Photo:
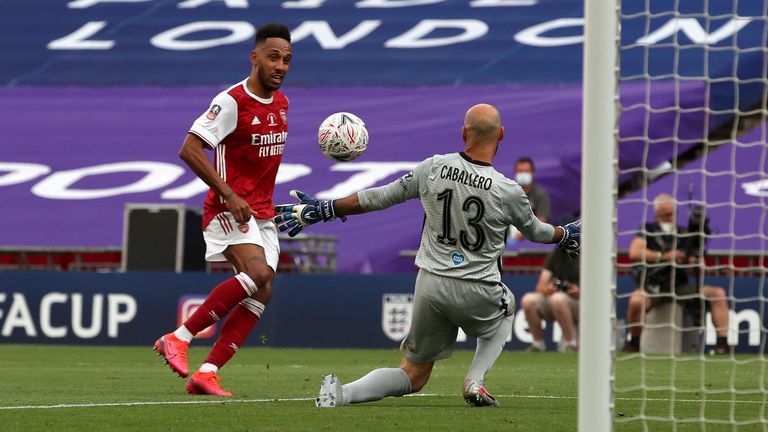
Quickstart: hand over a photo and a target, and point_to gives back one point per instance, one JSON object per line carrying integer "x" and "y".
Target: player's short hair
{"x": 272, "y": 30}
{"x": 526, "y": 159}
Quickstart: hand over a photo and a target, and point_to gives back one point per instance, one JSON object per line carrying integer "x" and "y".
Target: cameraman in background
{"x": 556, "y": 298}
{"x": 663, "y": 252}
{"x": 537, "y": 195}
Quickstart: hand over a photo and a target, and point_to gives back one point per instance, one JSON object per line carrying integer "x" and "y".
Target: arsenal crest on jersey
{"x": 213, "y": 112}
{"x": 284, "y": 116}
{"x": 396, "y": 310}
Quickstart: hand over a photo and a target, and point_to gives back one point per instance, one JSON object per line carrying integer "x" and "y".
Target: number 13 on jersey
{"x": 474, "y": 208}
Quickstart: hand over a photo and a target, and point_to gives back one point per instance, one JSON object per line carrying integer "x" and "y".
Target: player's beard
{"x": 266, "y": 82}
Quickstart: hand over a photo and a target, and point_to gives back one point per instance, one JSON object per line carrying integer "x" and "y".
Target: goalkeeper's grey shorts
{"x": 442, "y": 304}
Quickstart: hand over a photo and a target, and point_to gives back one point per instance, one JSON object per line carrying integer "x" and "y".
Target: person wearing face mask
{"x": 538, "y": 196}
{"x": 659, "y": 249}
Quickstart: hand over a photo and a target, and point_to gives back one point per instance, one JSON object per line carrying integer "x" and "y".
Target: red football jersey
{"x": 248, "y": 135}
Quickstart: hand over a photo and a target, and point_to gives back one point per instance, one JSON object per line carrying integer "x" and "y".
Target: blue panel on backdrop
{"x": 306, "y": 311}
{"x": 400, "y": 42}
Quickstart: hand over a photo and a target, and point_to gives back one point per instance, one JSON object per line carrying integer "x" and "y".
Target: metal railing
{"x": 717, "y": 262}
{"x": 60, "y": 258}
{"x": 300, "y": 254}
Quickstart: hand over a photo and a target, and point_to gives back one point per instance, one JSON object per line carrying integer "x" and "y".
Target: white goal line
{"x": 303, "y": 399}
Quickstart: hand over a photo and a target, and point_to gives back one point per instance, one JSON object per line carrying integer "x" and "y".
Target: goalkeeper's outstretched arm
{"x": 373, "y": 199}
{"x": 382, "y": 197}
{"x": 294, "y": 217}
{"x": 517, "y": 210}
{"x": 349, "y": 205}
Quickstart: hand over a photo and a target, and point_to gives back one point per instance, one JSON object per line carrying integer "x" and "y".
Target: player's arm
{"x": 193, "y": 154}
{"x": 349, "y": 205}
{"x": 209, "y": 130}
{"x": 518, "y": 210}
{"x": 378, "y": 198}
{"x": 541, "y": 232}
{"x": 294, "y": 217}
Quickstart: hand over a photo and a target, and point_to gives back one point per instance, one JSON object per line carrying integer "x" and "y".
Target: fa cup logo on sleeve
{"x": 213, "y": 112}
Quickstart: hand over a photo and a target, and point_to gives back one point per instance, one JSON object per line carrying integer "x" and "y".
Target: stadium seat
{"x": 662, "y": 332}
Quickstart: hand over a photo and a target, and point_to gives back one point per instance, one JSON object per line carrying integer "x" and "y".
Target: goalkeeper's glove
{"x": 571, "y": 240}
{"x": 294, "y": 217}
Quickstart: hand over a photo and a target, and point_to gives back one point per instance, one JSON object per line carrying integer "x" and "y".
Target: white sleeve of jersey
{"x": 400, "y": 190}
{"x": 218, "y": 121}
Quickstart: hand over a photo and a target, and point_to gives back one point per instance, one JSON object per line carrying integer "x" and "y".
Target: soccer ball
{"x": 342, "y": 136}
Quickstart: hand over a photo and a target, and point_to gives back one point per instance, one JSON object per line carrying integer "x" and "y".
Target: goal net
{"x": 691, "y": 140}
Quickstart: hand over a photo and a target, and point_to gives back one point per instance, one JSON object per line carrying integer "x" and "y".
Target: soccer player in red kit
{"x": 246, "y": 126}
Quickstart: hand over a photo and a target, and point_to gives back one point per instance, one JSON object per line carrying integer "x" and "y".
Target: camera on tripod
{"x": 560, "y": 284}
{"x": 698, "y": 232}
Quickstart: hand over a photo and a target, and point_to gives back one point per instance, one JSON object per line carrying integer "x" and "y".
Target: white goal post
{"x": 675, "y": 116}
{"x": 598, "y": 177}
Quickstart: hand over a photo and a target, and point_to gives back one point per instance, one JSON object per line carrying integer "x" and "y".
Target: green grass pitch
{"x": 105, "y": 388}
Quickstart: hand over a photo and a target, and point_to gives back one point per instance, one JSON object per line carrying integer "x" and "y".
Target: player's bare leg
{"x": 247, "y": 259}
{"x": 230, "y": 294}
{"x": 410, "y": 377}
{"x": 418, "y": 373}
{"x": 718, "y": 306}
{"x": 638, "y": 302}
{"x": 561, "y": 309}
{"x": 532, "y": 304}
{"x": 487, "y": 352}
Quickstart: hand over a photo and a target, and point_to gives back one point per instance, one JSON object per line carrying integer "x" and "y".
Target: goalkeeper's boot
{"x": 331, "y": 394}
{"x": 174, "y": 351}
{"x": 477, "y": 395}
{"x": 206, "y": 383}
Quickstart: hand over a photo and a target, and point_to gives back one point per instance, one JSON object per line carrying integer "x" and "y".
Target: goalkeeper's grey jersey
{"x": 468, "y": 206}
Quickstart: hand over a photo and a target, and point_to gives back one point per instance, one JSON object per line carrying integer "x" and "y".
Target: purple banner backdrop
{"x": 729, "y": 180}
{"x": 68, "y": 129}
{"x": 74, "y": 156}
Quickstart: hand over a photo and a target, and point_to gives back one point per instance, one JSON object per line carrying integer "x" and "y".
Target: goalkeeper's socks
{"x": 236, "y": 328}
{"x": 378, "y": 384}
{"x": 220, "y": 301}
{"x": 488, "y": 350}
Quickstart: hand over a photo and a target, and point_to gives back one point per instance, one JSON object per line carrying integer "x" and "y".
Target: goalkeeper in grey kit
{"x": 468, "y": 206}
